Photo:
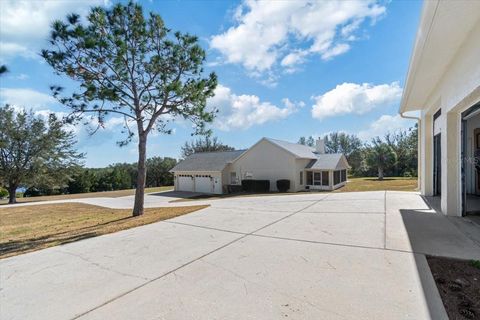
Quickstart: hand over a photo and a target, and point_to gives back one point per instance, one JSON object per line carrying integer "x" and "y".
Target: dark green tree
{"x": 381, "y": 156}
{"x": 307, "y": 141}
{"x": 405, "y": 144}
{"x": 205, "y": 144}
{"x": 348, "y": 144}
{"x": 158, "y": 171}
{"x": 3, "y": 69}
{"x": 34, "y": 151}
{"x": 133, "y": 66}
{"x": 81, "y": 181}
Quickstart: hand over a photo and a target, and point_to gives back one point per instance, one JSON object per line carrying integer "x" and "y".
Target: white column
{"x": 330, "y": 179}
{"x": 426, "y": 155}
{"x": 451, "y": 165}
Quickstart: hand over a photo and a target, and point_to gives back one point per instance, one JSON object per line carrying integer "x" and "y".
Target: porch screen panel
{"x": 309, "y": 178}
{"x": 325, "y": 181}
{"x": 316, "y": 178}
{"x": 343, "y": 175}
{"x": 336, "y": 177}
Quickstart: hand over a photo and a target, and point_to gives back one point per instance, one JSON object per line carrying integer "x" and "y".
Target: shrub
{"x": 32, "y": 192}
{"x": 234, "y": 188}
{"x": 250, "y": 185}
{"x": 3, "y": 193}
{"x": 283, "y": 185}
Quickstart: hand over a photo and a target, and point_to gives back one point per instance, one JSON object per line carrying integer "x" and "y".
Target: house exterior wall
{"x": 457, "y": 90}
{"x": 266, "y": 161}
{"x": 300, "y": 165}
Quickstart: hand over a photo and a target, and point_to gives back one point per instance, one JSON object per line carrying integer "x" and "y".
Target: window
{"x": 343, "y": 176}
{"x": 336, "y": 177}
{"x": 325, "y": 181}
{"x": 233, "y": 178}
{"x": 301, "y": 177}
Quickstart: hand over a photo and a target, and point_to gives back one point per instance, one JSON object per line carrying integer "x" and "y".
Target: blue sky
{"x": 286, "y": 69}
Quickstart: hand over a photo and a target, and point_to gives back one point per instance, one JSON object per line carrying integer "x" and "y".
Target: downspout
{"x": 419, "y": 147}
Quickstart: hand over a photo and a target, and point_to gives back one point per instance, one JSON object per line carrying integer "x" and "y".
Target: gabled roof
{"x": 298, "y": 150}
{"x": 207, "y": 161}
{"x": 328, "y": 161}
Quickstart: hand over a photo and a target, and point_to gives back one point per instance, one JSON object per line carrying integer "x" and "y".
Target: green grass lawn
{"x": 373, "y": 184}
{"x": 110, "y": 194}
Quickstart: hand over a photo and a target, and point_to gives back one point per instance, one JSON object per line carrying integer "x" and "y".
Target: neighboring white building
{"x": 307, "y": 168}
{"x": 443, "y": 83}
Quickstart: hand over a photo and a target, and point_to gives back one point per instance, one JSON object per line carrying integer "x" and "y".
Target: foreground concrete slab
{"x": 64, "y": 281}
{"x": 356, "y": 229}
{"x": 264, "y": 278}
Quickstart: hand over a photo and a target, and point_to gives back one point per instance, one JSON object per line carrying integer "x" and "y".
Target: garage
{"x": 204, "y": 183}
{"x": 185, "y": 182}
{"x": 204, "y": 172}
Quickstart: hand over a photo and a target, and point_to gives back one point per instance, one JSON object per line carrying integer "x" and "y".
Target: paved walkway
{"x": 305, "y": 256}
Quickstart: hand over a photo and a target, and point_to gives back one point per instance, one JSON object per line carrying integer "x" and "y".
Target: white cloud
{"x": 25, "y": 97}
{"x": 384, "y": 124}
{"x": 355, "y": 98}
{"x": 244, "y": 111}
{"x": 266, "y": 32}
{"x": 25, "y": 25}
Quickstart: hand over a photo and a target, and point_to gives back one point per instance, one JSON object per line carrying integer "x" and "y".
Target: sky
{"x": 285, "y": 69}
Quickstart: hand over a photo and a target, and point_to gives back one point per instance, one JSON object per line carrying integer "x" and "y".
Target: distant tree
{"x": 404, "y": 143}
{"x": 307, "y": 141}
{"x": 348, "y": 144}
{"x": 205, "y": 144}
{"x": 34, "y": 151}
{"x": 158, "y": 171}
{"x": 81, "y": 181}
{"x": 380, "y": 155}
{"x": 3, "y": 69}
{"x": 131, "y": 65}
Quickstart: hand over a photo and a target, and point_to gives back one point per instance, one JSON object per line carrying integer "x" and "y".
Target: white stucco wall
{"x": 266, "y": 161}
{"x": 456, "y": 91}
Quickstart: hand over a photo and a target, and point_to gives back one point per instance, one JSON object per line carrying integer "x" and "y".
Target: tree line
{"x": 394, "y": 155}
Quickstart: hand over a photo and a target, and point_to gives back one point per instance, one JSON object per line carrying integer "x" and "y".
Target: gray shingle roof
{"x": 327, "y": 161}
{"x": 207, "y": 161}
{"x": 298, "y": 150}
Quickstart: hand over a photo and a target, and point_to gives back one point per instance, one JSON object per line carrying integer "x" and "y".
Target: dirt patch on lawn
{"x": 458, "y": 282}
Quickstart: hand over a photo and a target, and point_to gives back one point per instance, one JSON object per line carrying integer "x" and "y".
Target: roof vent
{"x": 320, "y": 146}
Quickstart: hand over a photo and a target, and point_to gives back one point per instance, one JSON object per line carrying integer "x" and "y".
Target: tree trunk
{"x": 142, "y": 175}
{"x": 380, "y": 173}
{"x": 12, "y": 197}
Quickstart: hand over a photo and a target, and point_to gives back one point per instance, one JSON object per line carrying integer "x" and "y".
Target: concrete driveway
{"x": 305, "y": 256}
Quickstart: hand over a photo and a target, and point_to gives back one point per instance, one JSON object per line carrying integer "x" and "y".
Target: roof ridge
{"x": 220, "y": 151}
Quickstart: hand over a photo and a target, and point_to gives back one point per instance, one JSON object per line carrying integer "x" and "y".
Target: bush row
{"x": 251, "y": 185}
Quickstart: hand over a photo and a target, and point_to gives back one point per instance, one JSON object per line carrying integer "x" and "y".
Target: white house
{"x": 443, "y": 85}
{"x": 307, "y": 168}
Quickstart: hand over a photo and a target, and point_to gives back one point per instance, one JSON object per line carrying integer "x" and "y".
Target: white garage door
{"x": 185, "y": 182}
{"x": 203, "y": 183}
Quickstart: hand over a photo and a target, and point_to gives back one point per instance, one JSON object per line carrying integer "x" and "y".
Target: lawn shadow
{"x": 23, "y": 246}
